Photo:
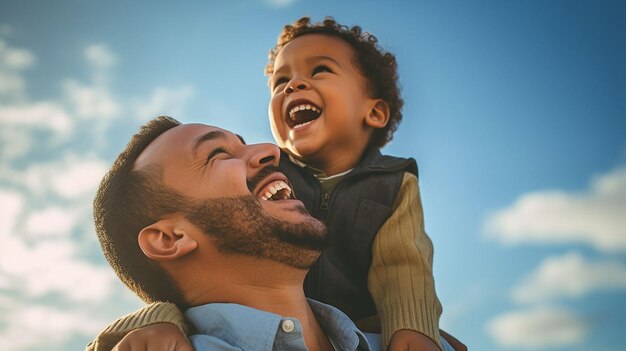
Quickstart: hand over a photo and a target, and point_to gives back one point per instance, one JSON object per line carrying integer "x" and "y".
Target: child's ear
{"x": 378, "y": 115}
{"x": 167, "y": 239}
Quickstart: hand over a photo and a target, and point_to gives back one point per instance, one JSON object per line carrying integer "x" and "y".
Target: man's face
{"x": 235, "y": 193}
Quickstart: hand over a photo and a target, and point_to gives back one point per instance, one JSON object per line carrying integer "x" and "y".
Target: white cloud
{"x": 537, "y": 328}
{"x": 100, "y": 56}
{"x": 51, "y": 221}
{"x": 595, "y": 217}
{"x": 90, "y": 101}
{"x": 11, "y": 84}
{"x": 44, "y": 115}
{"x": 163, "y": 101}
{"x": 16, "y": 59}
{"x": 37, "y": 265}
{"x": 12, "y": 205}
{"x": 101, "y": 59}
{"x": 37, "y": 325}
{"x": 569, "y": 276}
{"x": 78, "y": 178}
{"x": 51, "y": 266}
{"x": 12, "y": 61}
{"x": 15, "y": 142}
{"x": 70, "y": 177}
{"x": 280, "y": 3}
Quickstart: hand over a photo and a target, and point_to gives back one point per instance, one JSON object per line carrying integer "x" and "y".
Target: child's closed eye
{"x": 278, "y": 82}
{"x": 320, "y": 69}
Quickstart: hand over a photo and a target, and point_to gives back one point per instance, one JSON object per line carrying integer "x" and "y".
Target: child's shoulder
{"x": 374, "y": 159}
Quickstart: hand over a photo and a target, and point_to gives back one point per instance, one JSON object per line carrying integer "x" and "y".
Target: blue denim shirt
{"x": 226, "y": 326}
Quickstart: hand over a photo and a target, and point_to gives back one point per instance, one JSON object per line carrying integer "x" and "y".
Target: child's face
{"x": 319, "y": 100}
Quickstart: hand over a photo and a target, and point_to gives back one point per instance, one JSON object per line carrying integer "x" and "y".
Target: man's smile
{"x": 270, "y": 185}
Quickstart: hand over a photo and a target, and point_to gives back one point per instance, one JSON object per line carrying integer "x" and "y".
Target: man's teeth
{"x": 277, "y": 187}
{"x": 297, "y": 108}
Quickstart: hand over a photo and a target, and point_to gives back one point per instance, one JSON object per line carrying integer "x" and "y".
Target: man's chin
{"x": 309, "y": 234}
{"x": 303, "y": 261}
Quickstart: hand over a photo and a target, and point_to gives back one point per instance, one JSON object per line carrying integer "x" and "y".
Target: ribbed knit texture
{"x": 158, "y": 312}
{"x": 401, "y": 276}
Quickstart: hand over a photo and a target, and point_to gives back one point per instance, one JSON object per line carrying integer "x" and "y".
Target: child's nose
{"x": 296, "y": 84}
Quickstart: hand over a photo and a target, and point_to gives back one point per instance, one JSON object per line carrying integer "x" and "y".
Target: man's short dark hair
{"x": 127, "y": 201}
{"x": 377, "y": 65}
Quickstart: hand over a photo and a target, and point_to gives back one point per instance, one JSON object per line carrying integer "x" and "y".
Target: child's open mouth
{"x": 301, "y": 114}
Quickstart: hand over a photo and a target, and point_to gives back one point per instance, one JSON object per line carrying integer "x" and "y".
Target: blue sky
{"x": 514, "y": 110}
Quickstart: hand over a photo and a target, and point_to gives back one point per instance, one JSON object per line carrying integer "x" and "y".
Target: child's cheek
{"x": 278, "y": 126}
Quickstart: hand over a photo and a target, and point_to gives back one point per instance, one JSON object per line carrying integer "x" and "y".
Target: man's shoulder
{"x": 339, "y": 328}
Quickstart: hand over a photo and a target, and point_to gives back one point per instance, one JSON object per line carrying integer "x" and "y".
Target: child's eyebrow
{"x": 323, "y": 58}
{"x": 309, "y": 60}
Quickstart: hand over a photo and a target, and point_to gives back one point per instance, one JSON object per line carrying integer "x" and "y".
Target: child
{"x": 334, "y": 102}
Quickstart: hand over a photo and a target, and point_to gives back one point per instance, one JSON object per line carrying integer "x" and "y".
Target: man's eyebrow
{"x": 241, "y": 139}
{"x": 212, "y": 135}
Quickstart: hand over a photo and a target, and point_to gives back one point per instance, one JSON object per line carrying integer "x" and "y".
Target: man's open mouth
{"x": 301, "y": 113}
{"x": 276, "y": 190}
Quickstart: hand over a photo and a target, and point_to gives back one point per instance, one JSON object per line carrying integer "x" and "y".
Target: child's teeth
{"x": 302, "y": 124}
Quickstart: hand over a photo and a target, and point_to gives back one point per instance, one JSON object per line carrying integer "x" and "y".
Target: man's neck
{"x": 280, "y": 294}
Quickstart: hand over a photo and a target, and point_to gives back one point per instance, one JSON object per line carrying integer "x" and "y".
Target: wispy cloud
{"x": 594, "y": 217}
{"x": 69, "y": 176}
{"x": 100, "y": 56}
{"x": 12, "y": 61}
{"x": 570, "y": 276}
{"x": 280, "y": 3}
{"x": 90, "y": 102}
{"x": 45, "y": 200}
{"x": 24, "y": 327}
{"x": 537, "y": 328}
{"x": 43, "y": 115}
{"x": 163, "y": 101}
{"x": 51, "y": 221}
{"x": 39, "y": 259}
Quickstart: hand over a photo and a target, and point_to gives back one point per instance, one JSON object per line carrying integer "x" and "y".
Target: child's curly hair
{"x": 377, "y": 65}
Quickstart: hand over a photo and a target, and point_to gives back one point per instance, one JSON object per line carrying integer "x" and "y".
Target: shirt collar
{"x": 252, "y": 329}
{"x": 318, "y": 173}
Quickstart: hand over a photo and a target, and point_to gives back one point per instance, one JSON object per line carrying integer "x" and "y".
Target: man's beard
{"x": 238, "y": 225}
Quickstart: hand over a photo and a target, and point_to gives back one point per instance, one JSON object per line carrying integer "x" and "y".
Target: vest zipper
{"x": 325, "y": 201}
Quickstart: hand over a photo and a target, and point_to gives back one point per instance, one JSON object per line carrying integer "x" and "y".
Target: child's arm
{"x": 158, "y": 312}
{"x": 401, "y": 278}
{"x": 155, "y": 337}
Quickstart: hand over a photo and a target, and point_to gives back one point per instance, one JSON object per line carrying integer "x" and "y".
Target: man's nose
{"x": 263, "y": 155}
{"x": 296, "y": 84}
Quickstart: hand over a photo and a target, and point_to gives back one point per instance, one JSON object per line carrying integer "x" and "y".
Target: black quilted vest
{"x": 357, "y": 208}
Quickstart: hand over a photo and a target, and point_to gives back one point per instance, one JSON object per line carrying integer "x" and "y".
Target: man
{"x": 192, "y": 215}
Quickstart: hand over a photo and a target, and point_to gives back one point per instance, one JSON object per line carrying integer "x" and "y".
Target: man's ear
{"x": 166, "y": 240}
{"x": 378, "y": 115}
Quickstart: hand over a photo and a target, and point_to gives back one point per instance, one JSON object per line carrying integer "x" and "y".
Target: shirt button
{"x": 288, "y": 326}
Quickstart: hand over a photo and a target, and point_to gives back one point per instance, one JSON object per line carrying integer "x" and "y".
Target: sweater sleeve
{"x": 401, "y": 277}
{"x": 158, "y": 312}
